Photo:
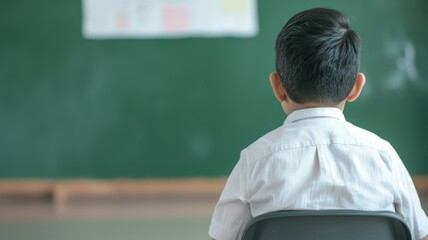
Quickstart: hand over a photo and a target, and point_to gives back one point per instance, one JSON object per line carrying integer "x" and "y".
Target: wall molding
{"x": 60, "y": 191}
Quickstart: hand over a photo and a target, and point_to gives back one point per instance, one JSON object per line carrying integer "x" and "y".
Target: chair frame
{"x": 317, "y": 224}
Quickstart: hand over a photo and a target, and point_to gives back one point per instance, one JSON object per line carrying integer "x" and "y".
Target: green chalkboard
{"x": 138, "y": 108}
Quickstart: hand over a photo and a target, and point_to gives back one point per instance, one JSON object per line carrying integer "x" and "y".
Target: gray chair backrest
{"x": 327, "y": 225}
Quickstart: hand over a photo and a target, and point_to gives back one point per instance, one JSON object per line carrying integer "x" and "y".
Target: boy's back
{"x": 317, "y": 160}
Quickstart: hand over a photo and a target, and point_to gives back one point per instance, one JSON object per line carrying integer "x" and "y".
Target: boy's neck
{"x": 290, "y": 106}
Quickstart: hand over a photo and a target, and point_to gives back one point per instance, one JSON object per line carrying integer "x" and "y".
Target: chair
{"x": 327, "y": 225}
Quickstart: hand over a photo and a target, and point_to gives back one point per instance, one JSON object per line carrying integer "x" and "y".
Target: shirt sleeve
{"x": 407, "y": 200}
{"x": 232, "y": 211}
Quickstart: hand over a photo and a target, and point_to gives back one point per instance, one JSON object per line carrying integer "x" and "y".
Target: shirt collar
{"x": 321, "y": 112}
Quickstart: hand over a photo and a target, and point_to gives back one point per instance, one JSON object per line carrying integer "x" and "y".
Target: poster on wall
{"x": 106, "y": 19}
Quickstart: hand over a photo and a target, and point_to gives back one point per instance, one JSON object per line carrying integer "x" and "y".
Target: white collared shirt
{"x": 316, "y": 160}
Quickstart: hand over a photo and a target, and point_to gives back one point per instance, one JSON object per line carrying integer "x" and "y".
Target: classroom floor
{"x": 124, "y": 219}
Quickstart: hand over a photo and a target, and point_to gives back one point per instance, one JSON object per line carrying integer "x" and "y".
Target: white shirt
{"x": 316, "y": 160}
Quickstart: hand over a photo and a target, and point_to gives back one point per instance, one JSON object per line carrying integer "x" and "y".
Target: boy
{"x": 316, "y": 160}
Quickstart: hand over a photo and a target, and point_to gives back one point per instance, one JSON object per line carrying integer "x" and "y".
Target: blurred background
{"x": 133, "y": 138}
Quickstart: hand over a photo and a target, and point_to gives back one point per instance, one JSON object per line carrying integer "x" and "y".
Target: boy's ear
{"x": 358, "y": 87}
{"x": 277, "y": 87}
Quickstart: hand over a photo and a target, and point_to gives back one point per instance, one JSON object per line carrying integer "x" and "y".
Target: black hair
{"x": 317, "y": 56}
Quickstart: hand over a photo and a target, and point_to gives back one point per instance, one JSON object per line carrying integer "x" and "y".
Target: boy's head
{"x": 317, "y": 57}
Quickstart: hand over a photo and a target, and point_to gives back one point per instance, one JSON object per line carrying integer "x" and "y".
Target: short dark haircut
{"x": 317, "y": 56}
